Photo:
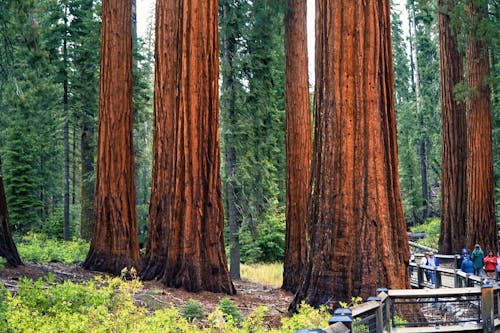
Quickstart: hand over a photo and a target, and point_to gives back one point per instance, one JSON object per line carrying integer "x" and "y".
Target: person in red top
{"x": 490, "y": 263}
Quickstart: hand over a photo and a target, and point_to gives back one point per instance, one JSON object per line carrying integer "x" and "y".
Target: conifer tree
{"x": 115, "y": 242}
{"x": 185, "y": 244}
{"x": 355, "y": 187}
{"x": 481, "y": 222}
{"x": 298, "y": 142}
{"x": 454, "y": 138}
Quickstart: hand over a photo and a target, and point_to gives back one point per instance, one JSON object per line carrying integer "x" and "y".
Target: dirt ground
{"x": 154, "y": 295}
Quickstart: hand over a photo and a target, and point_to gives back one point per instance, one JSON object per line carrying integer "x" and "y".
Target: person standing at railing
{"x": 432, "y": 262}
{"x": 423, "y": 262}
{"x": 490, "y": 263}
{"x": 477, "y": 258}
{"x": 412, "y": 260}
{"x": 467, "y": 265}
{"x": 463, "y": 254}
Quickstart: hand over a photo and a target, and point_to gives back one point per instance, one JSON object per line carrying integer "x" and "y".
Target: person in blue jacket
{"x": 467, "y": 265}
{"x": 432, "y": 262}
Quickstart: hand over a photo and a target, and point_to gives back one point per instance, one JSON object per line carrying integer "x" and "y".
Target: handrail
{"x": 376, "y": 315}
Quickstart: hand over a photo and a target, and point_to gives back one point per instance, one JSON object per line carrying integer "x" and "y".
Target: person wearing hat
{"x": 423, "y": 262}
{"x": 477, "y": 258}
{"x": 432, "y": 262}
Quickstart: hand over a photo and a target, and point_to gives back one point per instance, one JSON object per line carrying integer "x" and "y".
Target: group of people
{"x": 475, "y": 263}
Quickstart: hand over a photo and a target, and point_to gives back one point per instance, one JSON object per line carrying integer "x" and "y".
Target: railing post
{"x": 437, "y": 277}
{"x": 379, "y": 316}
{"x": 487, "y": 308}
{"x": 385, "y": 308}
{"x": 420, "y": 275}
{"x": 343, "y": 316}
{"x": 456, "y": 282}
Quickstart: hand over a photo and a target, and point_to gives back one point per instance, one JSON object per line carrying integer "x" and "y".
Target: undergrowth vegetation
{"x": 39, "y": 248}
{"x": 268, "y": 274}
{"x": 432, "y": 228}
{"x": 107, "y": 305}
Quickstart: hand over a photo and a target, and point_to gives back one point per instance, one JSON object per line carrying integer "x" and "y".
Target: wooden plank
{"x": 364, "y": 307}
{"x": 442, "y": 292}
{"x": 453, "y": 328}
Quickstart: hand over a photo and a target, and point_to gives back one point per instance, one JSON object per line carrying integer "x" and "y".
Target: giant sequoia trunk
{"x": 8, "y": 249}
{"x": 185, "y": 245}
{"x": 115, "y": 243}
{"x": 481, "y": 225}
{"x": 454, "y": 139}
{"x": 298, "y": 142}
{"x": 356, "y": 214}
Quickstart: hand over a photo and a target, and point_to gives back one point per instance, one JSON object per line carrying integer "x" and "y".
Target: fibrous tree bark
{"x": 481, "y": 224}
{"x": 356, "y": 211}
{"x": 298, "y": 142}
{"x": 185, "y": 244}
{"x": 115, "y": 243}
{"x": 8, "y": 249}
{"x": 454, "y": 138}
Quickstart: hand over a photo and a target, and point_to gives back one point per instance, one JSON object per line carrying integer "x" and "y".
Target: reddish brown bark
{"x": 298, "y": 142}
{"x": 185, "y": 244}
{"x": 115, "y": 243}
{"x": 356, "y": 214}
{"x": 481, "y": 223}
{"x": 454, "y": 139}
{"x": 8, "y": 249}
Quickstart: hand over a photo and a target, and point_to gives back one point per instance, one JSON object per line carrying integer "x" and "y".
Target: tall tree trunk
{"x": 87, "y": 183}
{"x": 481, "y": 224}
{"x": 185, "y": 244}
{"x": 73, "y": 169}
{"x": 356, "y": 211}
{"x": 454, "y": 139}
{"x": 229, "y": 112}
{"x": 115, "y": 243}
{"x": 8, "y": 249}
{"x": 422, "y": 146}
{"x": 66, "y": 129}
{"x": 298, "y": 142}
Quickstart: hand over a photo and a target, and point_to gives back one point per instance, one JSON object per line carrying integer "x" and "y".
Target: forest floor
{"x": 155, "y": 295}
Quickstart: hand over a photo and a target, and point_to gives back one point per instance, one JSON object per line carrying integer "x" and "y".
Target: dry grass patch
{"x": 268, "y": 274}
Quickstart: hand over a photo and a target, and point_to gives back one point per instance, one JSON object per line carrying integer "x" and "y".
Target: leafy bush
{"x": 39, "y": 248}
{"x": 193, "y": 310}
{"x": 107, "y": 305}
{"x": 229, "y": 310}
{"x": 3, "y": 262}
{"x": 306, "y": 316}
{"x": 432, "y": 228}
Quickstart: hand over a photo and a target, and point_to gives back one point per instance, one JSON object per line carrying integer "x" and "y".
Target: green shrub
{"x": 3, "y": 262}
{"x": 432, "y": 228}
{"x": 306, "y": 317}
{"x": 107, "y": 305}
{"x": 39, "y": 248}
{"x": 229, "y": 309}
{"x": 193, "y": 310}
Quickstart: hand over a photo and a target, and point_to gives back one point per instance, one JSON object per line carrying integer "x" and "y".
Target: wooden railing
{"x": 444, "y": 277}
{"x": 476, "y": 309}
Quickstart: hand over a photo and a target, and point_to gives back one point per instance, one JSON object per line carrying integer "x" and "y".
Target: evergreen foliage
{"x": 256, "y": 131}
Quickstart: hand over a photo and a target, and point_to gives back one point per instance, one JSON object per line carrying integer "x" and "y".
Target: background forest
{"x": 49, "y": 65}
